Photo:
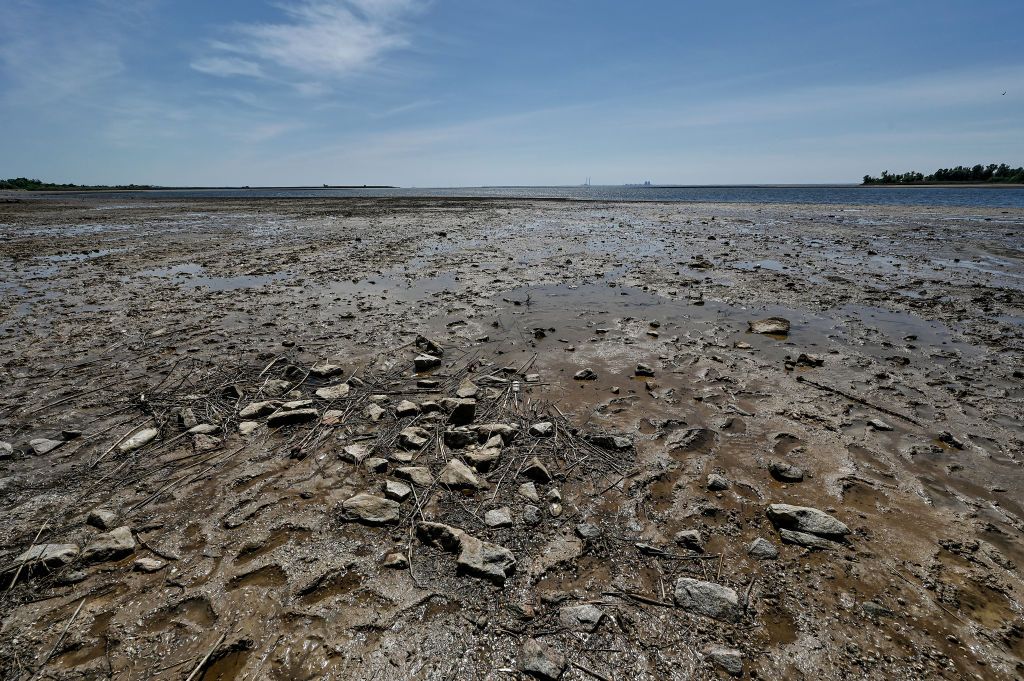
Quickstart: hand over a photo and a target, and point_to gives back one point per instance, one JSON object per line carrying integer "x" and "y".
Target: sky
{"x": 434, "y": 93}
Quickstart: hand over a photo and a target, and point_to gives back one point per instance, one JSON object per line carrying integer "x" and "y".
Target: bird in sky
{"x": 1004, "y": 93}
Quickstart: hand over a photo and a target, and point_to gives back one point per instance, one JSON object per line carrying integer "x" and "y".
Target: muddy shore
{"x": 235, "y": 383}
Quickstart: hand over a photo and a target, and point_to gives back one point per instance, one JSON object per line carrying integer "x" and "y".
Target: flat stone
{"x": 374, "y": 412}
{"x": 785, "y": 472}
{"x": 459, "y": 475}
{"x": 762, "y": 549}
{"x": 461, "y": 412}
{"x": 370, "y": 509}
{"x": 107, "y": 546}
{"x": 43, "y": 445}
{"x": 498, "y": 517}
{"x": 459, "y": 438}
{"x": 396, "y": 561}
{"x": 717, "y": 482}
{"x": 643, "y": 370}
{"x": 580, "y": 617}
{"x": 806, "y": 519}
{"x": 418, "y": 475}
{"x": 297, "y": 404}
{"x": 399, "y": 491}
{"x": 413, "y": 437}
{"x": 429, "y": 345}
{"x": 257, "y": 409}
{"x": 43, "y": 557}
{"x": 537, "y": 471}
{"x": 101, "y": 519}
{"x": 540, "y": 661}
{"x": 406, "y": 408}
{"x": 528, "y": 490}
{"x": 276, "y": 387}
{"x": 484, "y": 458}
{"x": 354, "y": 453}
{"x": 507, "y": 432}
{"x": 467, "y": 389}
{"x": 542, "y": 429}
{"x": 148, "y": 565}
{"x": 729, "y": 660}
{"x": 776, "y": 326}
{"x": 588, "y": 531}
{"x": 879, "y": 424}
{"x": 326, "y": 369}
{"x": 333, "y": 392}
{"x": 139, "y": 440}
{"x": 807, "y": 540}
{"x": 292, "y": 416}
{"x": 475, "y": 557}
{"x": 247, "y": 427}
{"x": 203, "y": 429}
{"x": 690, "y": 539}
{"x": 587, "y": 374}
{"x": 333, "y": 417}
{"x": 425, "y": 362}
{"x": 6, "y": 450}
{"x": 708, "y": 599}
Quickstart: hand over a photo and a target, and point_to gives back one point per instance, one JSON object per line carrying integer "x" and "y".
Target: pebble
{"x": 717, "y": 482}
{"x": 498, "y": 517}
{"x": 370, "y": 509}
{"x": 762, "y": 549}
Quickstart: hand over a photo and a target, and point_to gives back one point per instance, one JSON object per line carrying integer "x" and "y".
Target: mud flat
{"x": 440, "y": 438}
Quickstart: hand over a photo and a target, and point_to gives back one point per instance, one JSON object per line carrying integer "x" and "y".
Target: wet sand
{"x": 896, "y": 393}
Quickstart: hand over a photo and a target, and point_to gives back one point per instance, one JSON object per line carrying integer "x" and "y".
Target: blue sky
{"x": 472, "y": 92}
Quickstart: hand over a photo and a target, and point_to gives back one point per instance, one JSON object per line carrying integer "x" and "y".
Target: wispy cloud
{"x": 317, "y": 39}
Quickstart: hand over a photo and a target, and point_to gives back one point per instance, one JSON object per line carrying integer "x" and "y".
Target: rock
{"x": 112, "y": 545}
{"x": 413, "y": 437}
{"x": 580, "y": 617}
{"x": 187, "y": 418}
{"x": 333, "y": 417}
{"x": 374, "y": 412}
{"x": 406, "y": 408}
{"x": 806, "y": 519}
{"x": 370, "y": 509}
{"x": 689, "y": 440}
{"x": 585, "y": 375}
{"x": 541, "y": 662}
{"x": 555, "y": 510}
{"x": 203, "y": 429}
{"x": 729, "y": 660}
{"x": 588, "y": 531}
{"x": 425, "y": 362}
{"x": 484, "y": 458}
{"x": 776, "y": 326}
{"x": 807, "y": 540}
{"x": 459, "y": 438}
{"x": 148, "y": 565}
{"x": 247, "y": 427}
{"x": 806, "y": 360}
{"x": 708, "y": 599}
{"x": 428, "y": 383}
{"x": 762, "y": 549}
{"x": 784, "y": 472}
{"x": 879, "y": 424}
{"x": 528, "y": 490}
{"x": 297, "y": 404}
{"x": 875, "y": 609}
{"x": 467, "y": 389}
{"x": 396, "y": 561}
{"x": 717, "y": 482}
{"x": 531, "y": 515}
{"x": 276, "y": 387}
{"x": 537, "y": 471}
{"x": 475, "y": 557}
{"x": 399, "y": 491}
{"x": 326, "y": 369}
{"x": 459, "y": 475}
{"x": 45, "y": 557}
{"x": 354, "y": 453}
{"x": 643, "y": 370}
{"x": 257, "y": 409}
{"x": 429, "y": 345}
{"x": 498, "y": 517}
{"x": 418, "y": 475}
{"x": 562, "y": 549}
{"x": 690, "y": 539}
{"x": 333, "y": 392}
{"x": 461, "y": 412}
{"x": 506, "y": 431}
{"x": 542, "y": 429}
{"x": 611, "y": 442}
{"x": 292, "y": 416}
{"x": 43, "y": 445}
{"x": 101, "y": 519}
{"x": 375, "y": 464}
{"x": 205, "y": 443}
{"x": 6, "y": 450}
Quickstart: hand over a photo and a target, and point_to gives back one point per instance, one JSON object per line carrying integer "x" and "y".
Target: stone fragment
{"x": 785, "y": 472}
{"x": 531, "y": 515}
{"x": 506, "y": 431}
{"x": 292, "y": 416}
{"x": 528, "y": 490}
{"x": 101, "y": 518}
{"x": 611, "y": 442}
{"x": 588, "y": 531}
{"x": 297, "y": 404}
{"x": 148, "y": 565}
{"x": 43, "y": 557}
{"x": 717, "y": 482}
{"x": 247, "y": 427}
{"x": 643, "y": 370}
{"x": 44, "y": 445}
{"x": 537, "y": 471}
{"x": 807, "y": 540}
{"x": 333, "y": 392}
{"x": 396, "y": 561}
{"x": 406, "y": 408}
{"x": 370, "y": 509}
{"x": 374, "y": 412}
{"x": 691, "y": 539}
{"x": 540, "y": 661}
{"x": 425, "y": 362}
{"x": 580, "y": 617}
{"x": 461, "y": 412}
{"x": 775, "y": 326}
{"x": 459, "y": 475}
{"x": 276, "y": 387}
{"x": 585, "y": 375}
{"x": 458, "y": 438}
{"x": 375, "y": 464}
{"x": 257, "y": 409}
{"x": 483, "y": 458}
{"x": 708, "y": 599}
{"x": 762, "y": 549}
{"x": 413, "y": 437}
{"x": 399, "y": 491}
{"x": 6, "y": 450}
{"x": 206, "y": 443}
{"x": 354, "y": 453}
{"x": 203, "y": 429}
{"x": 879, "y": 424}
{"x": 187, "y": 418}
{"x": 326, "y": 369}
{"x": 729, "y": 660}
{"x": 555, "y": 510}
{"x": 429, "y": 346}
{"x": 475, "y": 557}
{"x": 333, "y": 417}
{"x": 112, "y": 545}
{"x": 418, "y": 475}
{"x": 467, "y": 389}
{"x": 542, "y": 429}
{"x": 806, "y": 519}
{"x": 498, "y": 517}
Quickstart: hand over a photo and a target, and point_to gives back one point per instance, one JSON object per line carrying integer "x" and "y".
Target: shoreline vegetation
{"x": 974, "y": 175}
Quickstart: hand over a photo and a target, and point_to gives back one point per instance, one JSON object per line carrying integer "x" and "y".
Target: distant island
{"x": 977, "y": 174}
{"x": 26, "y": 184}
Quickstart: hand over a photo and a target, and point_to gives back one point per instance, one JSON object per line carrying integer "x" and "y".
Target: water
{"x": 848, "y": 195}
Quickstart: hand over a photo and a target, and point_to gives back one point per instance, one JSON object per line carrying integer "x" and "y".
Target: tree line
{"x": 26, "y": 184}
{"x": 978, "y": 173}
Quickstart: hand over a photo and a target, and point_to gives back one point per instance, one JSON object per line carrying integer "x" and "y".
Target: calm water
{"x": 987, "y": 197}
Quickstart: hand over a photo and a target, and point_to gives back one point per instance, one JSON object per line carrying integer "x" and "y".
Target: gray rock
{"x": 292, "y": 416}
{"x": 139, "y": 440}
{"x": 528, "y": 490}
{"x": 717, "y": 483}
{"x": 643, "y": 370}
{"x": 776, "y": 326}
{"x": 6, "y": 450}
{"x": 531, "y": 515}
{"x": 483, "y": 458}
{"x": 498, "y": 517}
{"x": 459, "y": 475}
{"x": 396, "y": 561}
{"x": 875, "y": 609}
{"x": 370, "y": 509}
{"x": 580, "y": 617}
{"x": 475, "y": 557}
{"x": 879, "y": 424}
{"x": 708, "y": 599}
{"x": 541, "y": 662}
{"x": 611, "y": 442}
{"x": 542, "y": 429}
{"x": 333, "y": 392}
{"x": 691, "y": 539}
{"x": 406, "y": 408}
{"x": 425, "y": 362}
{"x": 375, "y": 464}
{"x": 112, "y": 545}
{"x": 276, "y": 387}
{"x": 187, "y": 418}
{"x": 555, "y": 510}
{"x": 459, "y": 438}
{"x": 413, "y": 438}
{"x": 762, "y": 549}
{"x": 354, "y": 453}
{"x": 536, "y": 471}
{"x": 326, "y": 369}
{"x": 374, "y": 412}
{"x": 429, "y": 345}
{"x": 42, "y": 445}
{"x": 257, "y": 409}
{"x": 101, "y": 519}
{"x": 506, "y": 431}
{"x": 785, "y": 472}
{"x": 46, "y": 557}
{"x": 806, "y": 519}
{"x": 419, "y": 475}
{"x": 585, "y": 375}
{"x": 461, "y": 412}
{"x": 203, "y": 429}
{"x": 399, "y": 491}
{"x": 148, "y": 565}
{"x": 728, "y": 660}
{"x": 247, "y": 427}
{"x": 588, "y": 531}
{"x": 810, "y": 541}
{"x": 467, "y": 389}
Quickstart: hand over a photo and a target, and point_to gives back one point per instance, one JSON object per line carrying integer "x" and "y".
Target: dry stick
{"x": 859, "y": 400}
{"x": 14, "y": 580}
{"x": 123, "y": 438}
{"x": 596, "y": 675}
{"x": 207, "y": 657}
{"x": 59, "y": 639}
